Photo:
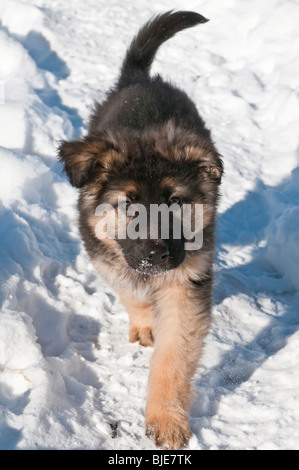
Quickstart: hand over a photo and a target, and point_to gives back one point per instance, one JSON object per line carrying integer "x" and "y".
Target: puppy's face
{"x": 130, "y": 184}
{"x": 141, "y": 221}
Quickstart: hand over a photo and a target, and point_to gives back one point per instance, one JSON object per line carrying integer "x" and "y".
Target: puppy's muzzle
{"x": 157, "y": 253}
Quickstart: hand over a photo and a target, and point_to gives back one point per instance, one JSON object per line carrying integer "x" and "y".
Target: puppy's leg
{"x": 183, "y": 319}
{"x": 141, "y": 320}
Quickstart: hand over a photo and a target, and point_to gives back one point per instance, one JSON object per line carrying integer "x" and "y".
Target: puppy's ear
{"x": 212, "y": 169}
{"x": 80, "y": 159}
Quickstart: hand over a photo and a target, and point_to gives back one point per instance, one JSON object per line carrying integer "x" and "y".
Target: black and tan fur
{"x": 146, "y": 141}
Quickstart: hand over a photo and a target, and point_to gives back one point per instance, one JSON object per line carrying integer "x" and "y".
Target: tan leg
{"x": 181, "y": 327}
{"x": 141, "y": 320}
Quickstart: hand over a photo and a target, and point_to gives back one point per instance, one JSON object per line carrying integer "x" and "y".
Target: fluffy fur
{"x": 147, "y": 142}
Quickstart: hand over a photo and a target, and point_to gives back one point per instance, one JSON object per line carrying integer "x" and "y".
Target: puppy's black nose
{"x": 158, "y": 254}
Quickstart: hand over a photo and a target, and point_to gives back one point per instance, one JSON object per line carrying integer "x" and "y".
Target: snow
{"x": 67, "y": 370}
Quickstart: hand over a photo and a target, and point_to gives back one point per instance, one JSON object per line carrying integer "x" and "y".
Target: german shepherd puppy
{"x": 147, "y": 143}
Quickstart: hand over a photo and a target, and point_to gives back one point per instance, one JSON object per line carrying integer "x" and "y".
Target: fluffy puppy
{"x": 147, "y": 144}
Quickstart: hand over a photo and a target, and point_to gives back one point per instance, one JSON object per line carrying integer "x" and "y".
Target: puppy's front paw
{"x": 143, "y": 335}
{"x": 168, "y": 431}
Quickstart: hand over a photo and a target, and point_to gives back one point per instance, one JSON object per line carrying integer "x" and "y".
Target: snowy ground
{"x": 67, "y": 370}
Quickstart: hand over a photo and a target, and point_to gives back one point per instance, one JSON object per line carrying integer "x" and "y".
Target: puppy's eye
{"x": 125, "y": 203}
{"x": 132, "y": 206}
{"x": 175, "y": 200}
{"x": 130, "y": 199}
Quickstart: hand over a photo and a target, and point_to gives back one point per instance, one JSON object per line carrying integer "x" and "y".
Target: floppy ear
{"x": 80, "y": 158}
{"x": 212, "y": 170}
{"x": 191, "y": 147}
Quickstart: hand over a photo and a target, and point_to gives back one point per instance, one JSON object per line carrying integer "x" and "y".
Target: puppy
{"x": 147, "y": 146}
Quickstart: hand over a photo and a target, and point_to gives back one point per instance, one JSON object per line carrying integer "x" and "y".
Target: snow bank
{"x": 282, "y": 233}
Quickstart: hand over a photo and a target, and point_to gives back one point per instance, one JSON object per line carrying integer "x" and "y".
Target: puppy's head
{"x": 129, "y": 175}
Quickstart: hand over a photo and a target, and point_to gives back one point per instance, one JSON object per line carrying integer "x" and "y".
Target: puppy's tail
{"x": 144, "y": 46}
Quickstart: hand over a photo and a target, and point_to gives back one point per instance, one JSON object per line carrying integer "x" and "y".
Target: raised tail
{"x": 144, "y": 46}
